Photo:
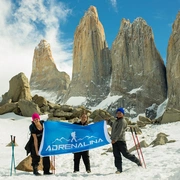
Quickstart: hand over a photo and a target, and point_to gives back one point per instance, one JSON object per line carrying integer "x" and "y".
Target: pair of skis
{"x": 13, "y": 167}
{"x": 137, "y": 145}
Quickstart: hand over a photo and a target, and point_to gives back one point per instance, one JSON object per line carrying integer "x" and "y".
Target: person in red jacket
{"x": 84, "y": 154}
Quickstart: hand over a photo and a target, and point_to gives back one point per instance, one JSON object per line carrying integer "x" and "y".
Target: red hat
{"x": 35, "y": 116}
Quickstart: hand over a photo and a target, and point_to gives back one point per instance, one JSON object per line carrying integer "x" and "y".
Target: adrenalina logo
{"x": 73, "y": 143}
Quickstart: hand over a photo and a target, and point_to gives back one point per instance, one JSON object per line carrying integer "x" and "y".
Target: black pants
{"x": 85, "y": 157}
{"x": 118, "y": 148}
{"x": 36, "y": 160}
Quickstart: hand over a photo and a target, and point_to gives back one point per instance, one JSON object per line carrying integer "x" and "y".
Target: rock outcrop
{"x": 8, "y": 107}
{"x": 170, "y": 115}
{"x": 28, "y": 108}
{"x": 25, "y": 165}
{"x": 45, "y": 75}
{"x": 173, "y": 66}
{"x": 18, "y": 89}
{"x": 138, "y": 71}
{"x": 91, "y": 60}
{"x": 161, "y": 139}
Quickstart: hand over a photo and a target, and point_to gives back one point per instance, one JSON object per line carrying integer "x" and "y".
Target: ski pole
{"x": 12, "y": 156}
{"x": 135, "y": 144}
{"x": 140, "y": 148}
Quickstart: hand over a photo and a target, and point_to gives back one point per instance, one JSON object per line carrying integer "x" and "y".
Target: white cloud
{"x": 22, "y": 26}
{"x": 114, "y": 3}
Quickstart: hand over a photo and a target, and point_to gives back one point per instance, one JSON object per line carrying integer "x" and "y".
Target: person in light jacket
{"x": 118, "y": 141}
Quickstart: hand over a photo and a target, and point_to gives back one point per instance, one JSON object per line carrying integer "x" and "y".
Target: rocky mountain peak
{"x": 43, "y": 59}
{"x": 45, "y": 75}
{"x": 138, "y": 25}
{"x": 43, "y": 44}
{"x": 92, "y": 11}
{"x": 125, "y": 23}
{"x": 136, "y": 65}
{"x": 140, "y": 20}
{"x": 176, "y": 23}
{"x": 91, "y": 59}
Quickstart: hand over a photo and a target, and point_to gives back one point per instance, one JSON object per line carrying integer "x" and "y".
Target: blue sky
{"x": 23, "y": 23}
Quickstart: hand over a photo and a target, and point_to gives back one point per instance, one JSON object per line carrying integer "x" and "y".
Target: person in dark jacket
{"x": 83, "y": 154}
{"x": 118, "y": 141}
{"x": 36, "y": 129}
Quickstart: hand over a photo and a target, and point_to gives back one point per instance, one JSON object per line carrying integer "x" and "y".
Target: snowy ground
{"x": 163, "y": 162}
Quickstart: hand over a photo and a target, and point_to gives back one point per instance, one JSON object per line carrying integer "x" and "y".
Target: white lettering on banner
{"x": 54, "y": 148}
{"x": 72, "y": 146}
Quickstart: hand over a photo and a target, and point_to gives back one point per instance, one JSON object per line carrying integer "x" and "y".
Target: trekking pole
{"x": 140, "y": 148}
{"x": 12, "y": 156}
{"x": 135, "y": 144}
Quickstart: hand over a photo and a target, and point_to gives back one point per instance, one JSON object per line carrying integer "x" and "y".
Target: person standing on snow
{"x": 36, "y": 129}
{"x": 83, "y": 154}
{"x": 118, "y": 141}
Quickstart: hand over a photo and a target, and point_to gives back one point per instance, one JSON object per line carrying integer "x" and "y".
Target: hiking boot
{"x": 75, "y": 171}
{"x": 48, "y": 173}
{"x": 139, "y": 163}
{"x": 35, "y": 171}
{"x": 118, "y": 171}
{"x": 88, "y": 171}
{"x": 37, "y": 174}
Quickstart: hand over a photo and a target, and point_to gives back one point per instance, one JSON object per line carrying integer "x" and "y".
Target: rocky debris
{"x": 28, "y": 108}
{"x": 99, "y": 115}
{"x": 68, "y": 113}
{"x": 143, "y": 144}
{"x": 58, "y": 112}
{"x": 143, "y": 121}
{"x": 161, "y": 139}
{"x": 40, "y": 101}
{"x": 8, "y": 107}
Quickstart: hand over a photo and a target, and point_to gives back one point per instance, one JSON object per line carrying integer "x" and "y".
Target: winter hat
{"x": 120, "y": 109}
{"x": 35, "y": 115}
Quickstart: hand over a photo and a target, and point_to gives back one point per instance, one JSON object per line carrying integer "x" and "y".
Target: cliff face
{"x": 91, "y": 60}
{"x": 132, "y": 70}
{"x": 45, "y": 75}
{"x": 138, "y": 71}
{"x": 173, "y": 66}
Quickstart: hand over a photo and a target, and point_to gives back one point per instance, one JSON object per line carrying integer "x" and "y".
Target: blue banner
{"x": 63, "y": 138}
